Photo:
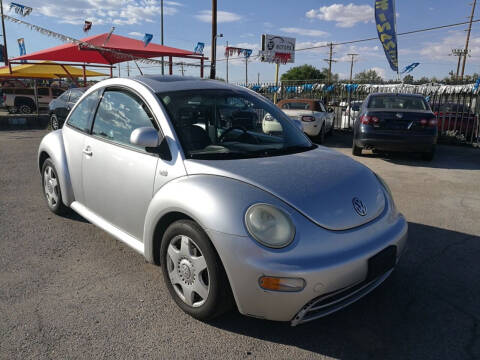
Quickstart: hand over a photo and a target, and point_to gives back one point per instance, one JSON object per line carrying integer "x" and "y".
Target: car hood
{"x": 321, "y": 184}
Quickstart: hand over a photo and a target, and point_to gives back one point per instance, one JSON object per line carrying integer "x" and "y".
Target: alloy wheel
{"x": 50, "y": 185}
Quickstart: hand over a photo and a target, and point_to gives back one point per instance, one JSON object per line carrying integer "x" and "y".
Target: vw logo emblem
{"x": 399, "y": 115}
{"x": 359, "y": 206}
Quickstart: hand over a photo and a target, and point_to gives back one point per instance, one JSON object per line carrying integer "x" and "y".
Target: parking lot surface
{"x": 69, "y": 290}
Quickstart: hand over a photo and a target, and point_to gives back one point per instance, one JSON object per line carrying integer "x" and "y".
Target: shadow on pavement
{"x": 428, "y": 308}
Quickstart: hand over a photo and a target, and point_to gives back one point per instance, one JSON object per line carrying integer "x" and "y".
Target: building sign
{"x": 274, "y": 46}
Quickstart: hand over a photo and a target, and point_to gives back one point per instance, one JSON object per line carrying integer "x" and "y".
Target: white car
{"x": 353, "y": 109}
{"x": 316, "y": 120}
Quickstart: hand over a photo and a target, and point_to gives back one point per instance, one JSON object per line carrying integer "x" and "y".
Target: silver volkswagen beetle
{"x": 180, "y": 170}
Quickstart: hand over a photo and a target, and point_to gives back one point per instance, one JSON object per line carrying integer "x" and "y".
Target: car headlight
{"x": 269, "y": 225}
{"x": 389, "y": 192}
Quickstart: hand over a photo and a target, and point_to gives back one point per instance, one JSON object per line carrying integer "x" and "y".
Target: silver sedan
{"x": 180, "y": 170}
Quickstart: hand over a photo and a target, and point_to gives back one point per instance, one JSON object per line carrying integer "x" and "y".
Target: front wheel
{"x": 54, "y": 123}
{"x": 51, "y": 188}
{"x": 25, "y": 109}
{"x": 192, "y": 271}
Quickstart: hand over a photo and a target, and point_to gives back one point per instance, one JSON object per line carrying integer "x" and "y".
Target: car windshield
{"x": 397, "y": 102}
{"x": 227, "y": 124}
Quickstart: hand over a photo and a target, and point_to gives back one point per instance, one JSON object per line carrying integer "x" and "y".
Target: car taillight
{"x": 308, "y": 118}
{"x": 366, "y": 120}
{"x": 431, "y": 122}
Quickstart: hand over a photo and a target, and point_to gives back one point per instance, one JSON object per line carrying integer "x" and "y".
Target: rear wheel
{"x": 429, "y": 155}
{"x": 12, "y": 109}
{"x": 356, "y": 150}
{"x": 25, "y": 109}
{"x": 320, "y": 138}
{"x": 192, "y": 271}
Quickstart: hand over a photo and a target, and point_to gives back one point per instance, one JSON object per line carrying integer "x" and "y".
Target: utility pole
{"x": 246, "y": 70}
{"x": 5, "y": 52}
{"x": 351, "y": 65}
{"x": 468, "y": 38}
{"x": 459, "y": 53}
{"x": 350, "y": 90}
{"x": 214, "y": 40}
{"x": 258, "y": 78}
{"x": 161, "y": 30}
{"x": 228, "y": 54}
{"x": 128, "y": 68}
{"x": 330, "y": 61}
{"x": 119, "y": 75}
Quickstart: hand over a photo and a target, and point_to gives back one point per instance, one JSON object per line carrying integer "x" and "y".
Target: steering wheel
{"x": 245, "y": 133}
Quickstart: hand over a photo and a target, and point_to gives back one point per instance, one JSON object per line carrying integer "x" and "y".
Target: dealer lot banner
{"x": 386, "y": 28}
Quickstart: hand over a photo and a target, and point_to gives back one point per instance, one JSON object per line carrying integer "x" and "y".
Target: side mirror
{"x": 146, "y": 137}
{"x": 298, "y": 124}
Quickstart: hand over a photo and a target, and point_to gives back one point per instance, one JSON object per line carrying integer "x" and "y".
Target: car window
{"x": 296, "y": 106}
{"x": 57, "y": 92}
{"x": 223, "y": 124}
{"x": 119, "y": 113}
{"x": 64, "y": 96}
{"x": 75, "y": 95}
{"x": 81, "y": 116}
{"x": 24, "y": 92}
{"x": 397, "y": 102}
{"x": 43, "y": 91}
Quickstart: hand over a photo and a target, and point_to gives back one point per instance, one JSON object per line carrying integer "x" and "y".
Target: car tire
{"x": 51, "y": 188}
{"x": 320, "y": 138}
{"x": 54, "y": 122}
{"x": 193, "y": 272}
{"x": 356, "y": 150}
{"x": 12, "y": 109}
{"x": 25, "y": 109}
{"x": 429, "y": 155}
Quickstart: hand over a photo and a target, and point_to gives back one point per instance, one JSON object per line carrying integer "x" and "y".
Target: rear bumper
{"x": 393, "y": 142}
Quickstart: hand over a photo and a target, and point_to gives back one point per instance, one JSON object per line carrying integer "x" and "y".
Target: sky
{"x": 242, "y": 23}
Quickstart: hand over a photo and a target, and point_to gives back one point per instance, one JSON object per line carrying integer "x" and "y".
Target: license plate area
{"x": 382, "y": 262}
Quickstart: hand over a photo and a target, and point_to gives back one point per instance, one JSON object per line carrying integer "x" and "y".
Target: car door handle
{"x": 87, "y": 151}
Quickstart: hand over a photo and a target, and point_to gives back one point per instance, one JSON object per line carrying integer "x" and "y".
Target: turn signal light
{"x": 431, "y": 122}
{"x": 308, "y": 118}
{"x": 281, "y": 284}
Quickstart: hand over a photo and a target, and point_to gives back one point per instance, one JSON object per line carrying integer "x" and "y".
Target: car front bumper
{"x": 334, "y": 265}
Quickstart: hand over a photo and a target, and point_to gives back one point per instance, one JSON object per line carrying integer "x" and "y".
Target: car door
{"x": 74, "y": 133}
{"x": 118, "y": 177}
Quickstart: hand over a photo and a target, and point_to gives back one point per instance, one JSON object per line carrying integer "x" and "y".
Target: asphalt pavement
{"x": 68, "y": 290}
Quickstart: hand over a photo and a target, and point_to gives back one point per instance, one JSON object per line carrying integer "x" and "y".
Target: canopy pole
{"x": 201, "y": 67}
{"x": 70, "y": 75}
{"x": 170, "y": 66}
{"x": 138, "y": 67}
{"x": 84, "y": 76}
{"x": 111, "y": 71}
{"x": 35, "y": 91}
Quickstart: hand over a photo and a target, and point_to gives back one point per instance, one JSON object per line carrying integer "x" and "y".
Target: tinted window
{"x": 57, "y": 92}
{"x": 296, "y": 106}
{"x": 64, "y": 96}
{"x": 75, "y": 95}
{"x": 43, "y": 91}
{"x": 82, "y": 114}
{"x": 397, "y": 102}
{"x": 24, "y": 92}
{"x": 119, "y": 113}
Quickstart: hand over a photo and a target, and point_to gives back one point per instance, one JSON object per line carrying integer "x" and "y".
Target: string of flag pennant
{"x": 21, "y": 9}
{"x": 230, "y": 50}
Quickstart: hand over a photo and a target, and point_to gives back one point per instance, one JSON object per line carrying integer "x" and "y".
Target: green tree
{"x": 305, "y": 72}
{"x": 408, "y": 79}
{"x": 368, "y": 76}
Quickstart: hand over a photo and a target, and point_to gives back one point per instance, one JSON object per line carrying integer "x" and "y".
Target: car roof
{"x": 163, "y": 83}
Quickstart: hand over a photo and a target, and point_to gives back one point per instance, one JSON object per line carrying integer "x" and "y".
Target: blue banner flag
{"x": 385, "y": 18}
{"x": 199, "y": 48}
{"x": 147, "y": 38}
{"x": 21, "y": 46}
{"x": 410, "y": 68}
